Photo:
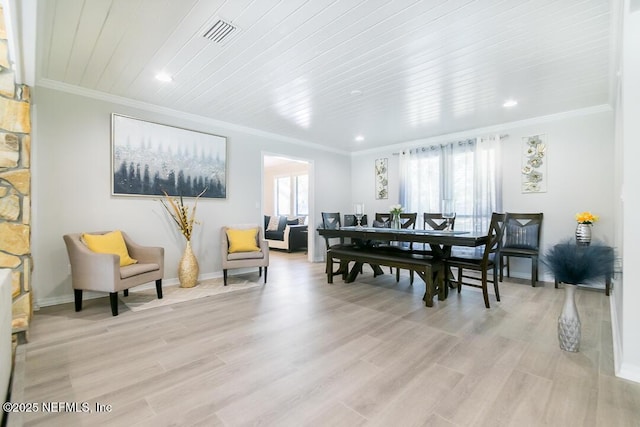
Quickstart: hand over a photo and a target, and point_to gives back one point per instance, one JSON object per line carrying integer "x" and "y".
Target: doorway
{"x": 287, "y": 190}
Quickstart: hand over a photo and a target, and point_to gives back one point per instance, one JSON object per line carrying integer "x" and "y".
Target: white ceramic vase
{"x": 569, "y": 321}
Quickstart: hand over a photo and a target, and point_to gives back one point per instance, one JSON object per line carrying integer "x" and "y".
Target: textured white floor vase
{"x": 569, "y": 329}
{"x": 147, "y": 298}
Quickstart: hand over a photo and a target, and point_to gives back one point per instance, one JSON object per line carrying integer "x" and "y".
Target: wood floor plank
{"x": 300, "y": 352}
{"x": 414, "y": 406}
{"x": 519, "y": 402}
{"x": 374, "y": 395}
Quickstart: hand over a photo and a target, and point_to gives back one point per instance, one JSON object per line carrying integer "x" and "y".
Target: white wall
{"x": 628, "y": 295}
{"x": 580, "y": 163}
{"x": 71, "y": 188}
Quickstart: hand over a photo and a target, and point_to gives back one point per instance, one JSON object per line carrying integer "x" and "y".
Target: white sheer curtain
{"x": 466, "y": 171}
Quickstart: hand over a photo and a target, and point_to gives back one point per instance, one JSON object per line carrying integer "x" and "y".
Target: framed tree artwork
{"x": 151, "y": 158}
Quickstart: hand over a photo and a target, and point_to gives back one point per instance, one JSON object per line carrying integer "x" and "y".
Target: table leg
{"x": 377, "y": 271}
{"x": 441, "y": 284}
{"x": 355, "y": 270}
{"x": 429, "y": 288}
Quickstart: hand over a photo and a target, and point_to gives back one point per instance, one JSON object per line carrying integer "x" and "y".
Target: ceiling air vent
{"x": 220, "y": 31}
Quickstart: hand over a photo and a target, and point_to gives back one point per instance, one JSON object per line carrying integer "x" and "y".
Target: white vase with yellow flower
{"x": 185, "y": 218}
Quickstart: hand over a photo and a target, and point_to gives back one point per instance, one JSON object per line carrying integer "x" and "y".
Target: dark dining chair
{"x": 435, "y": 221}
{"x": 522, "y": 240}
{"x": 331, "y": 221}
{"x": 483, "y": 263}
{"x": 407, "y": 221}
{"x": 382, "y": 220}
{"x": 351, "y": 220}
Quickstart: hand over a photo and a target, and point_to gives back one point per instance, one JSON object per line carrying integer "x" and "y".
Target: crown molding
{"x": 500, "y": 128}
{"x": 102, "y": 96}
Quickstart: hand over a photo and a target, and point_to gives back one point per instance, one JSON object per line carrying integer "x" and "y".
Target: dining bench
{"x": 430, "y": 269}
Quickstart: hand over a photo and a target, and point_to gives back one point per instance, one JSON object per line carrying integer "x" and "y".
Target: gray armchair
{"x": 258, "y": 258}
{"x": 92, "y": 271}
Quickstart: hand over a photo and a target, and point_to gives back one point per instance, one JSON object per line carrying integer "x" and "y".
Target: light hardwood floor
{"x": 300, "y": 352}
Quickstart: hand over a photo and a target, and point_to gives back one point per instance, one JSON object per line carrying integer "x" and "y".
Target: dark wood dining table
{"x": 368, "y": 239}
{"x": 440, "y": 241}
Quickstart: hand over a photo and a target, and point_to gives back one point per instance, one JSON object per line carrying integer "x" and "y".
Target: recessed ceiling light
{"x": 510, "y": 103}
{"x": 164, "y": 77}
{"x": 359, "y": 138}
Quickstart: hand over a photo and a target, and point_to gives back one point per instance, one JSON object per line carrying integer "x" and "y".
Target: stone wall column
{"x": 15, "y": 186}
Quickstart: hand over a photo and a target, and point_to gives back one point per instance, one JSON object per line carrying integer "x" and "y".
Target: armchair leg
{"x": 259, "y": 271}
{"x": 224, "y": 275}
{"x": 77, "y": 296}
{"x": 113, "y": 298}
{"x": 265, "y": 275}
{"x": 159, "y": 288}
{"x": 126, "y": 292}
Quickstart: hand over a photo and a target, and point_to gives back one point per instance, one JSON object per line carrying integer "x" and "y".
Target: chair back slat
{"x": 522, "y": 231}
{"x": 435, "y": 221}
{"x": 494, "y": 243}
{"x": 408, "y": 220}
{"x": 331, "y": 220}
{"x": 382, "y": 220}
{"x": 351, "y": 220}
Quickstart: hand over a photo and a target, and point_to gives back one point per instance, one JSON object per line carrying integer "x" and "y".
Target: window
{"x": 283, "y": 196}
{"x": 466, "y": 171}
{"x": 292, "y": 195}
{"x": 302, "y": 195}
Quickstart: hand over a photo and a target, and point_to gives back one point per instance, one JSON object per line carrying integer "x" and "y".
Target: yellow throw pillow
{"x": 110, "y": 243}
{"x": 242, "y": 240}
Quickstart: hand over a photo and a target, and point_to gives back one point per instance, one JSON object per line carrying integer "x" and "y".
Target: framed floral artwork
{"x": 382, "y": 179}
{"x": 534, "y": 164}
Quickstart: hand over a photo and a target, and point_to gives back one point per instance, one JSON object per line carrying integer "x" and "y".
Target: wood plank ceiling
{"x": 325, "y": 71}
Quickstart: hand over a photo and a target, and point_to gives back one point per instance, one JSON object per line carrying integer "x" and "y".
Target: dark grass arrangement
{"x": 575, "y": 264}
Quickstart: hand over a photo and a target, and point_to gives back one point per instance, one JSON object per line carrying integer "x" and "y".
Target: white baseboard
{"x": 615, "y": 331}
{"x": 623, "y": 370}
{"x": 67, "y": 298}
{"x": 629, "y": 372}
